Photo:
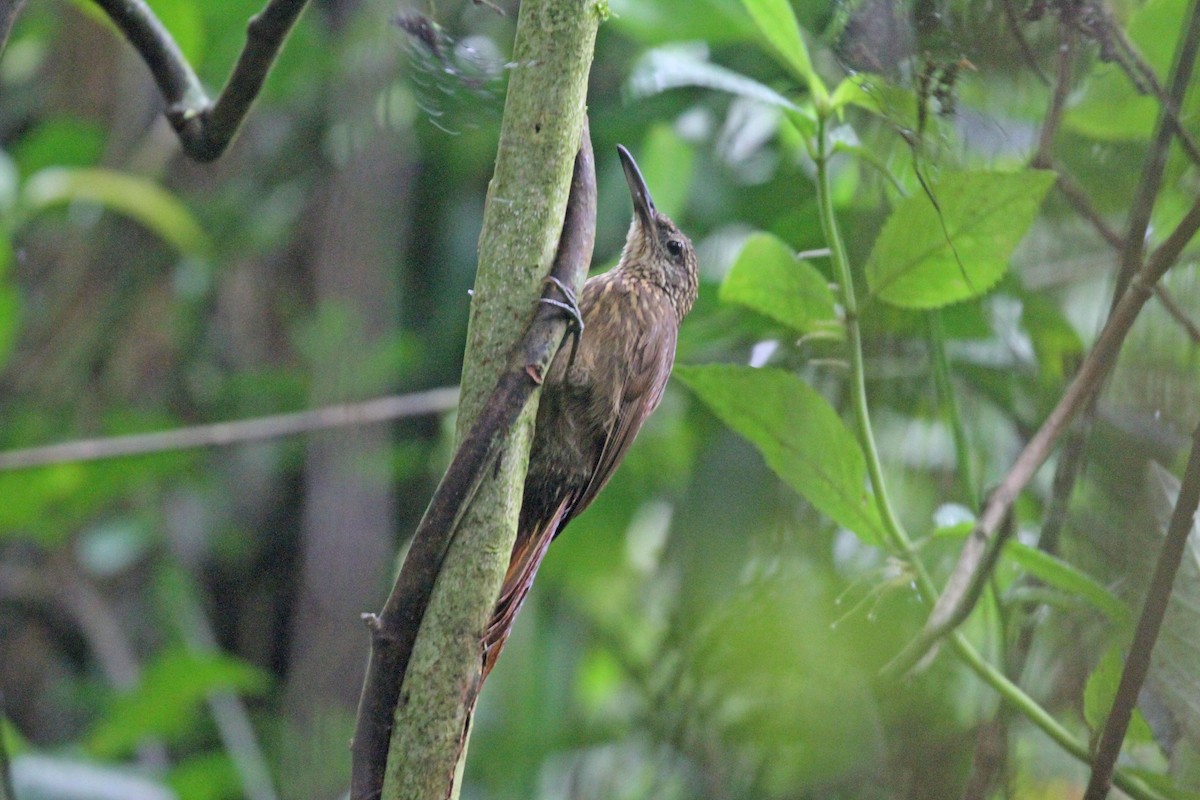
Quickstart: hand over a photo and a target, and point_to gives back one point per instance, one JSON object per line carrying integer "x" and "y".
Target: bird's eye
{"x": 675, "y": 248}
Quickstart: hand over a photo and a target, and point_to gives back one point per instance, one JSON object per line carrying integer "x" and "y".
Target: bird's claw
{"x": 571, "y": 306}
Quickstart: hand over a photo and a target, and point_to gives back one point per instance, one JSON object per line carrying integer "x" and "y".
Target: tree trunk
{"x": 540, "y": 134}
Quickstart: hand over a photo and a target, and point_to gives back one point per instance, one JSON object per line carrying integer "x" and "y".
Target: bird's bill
{"x": 643, "y": 204}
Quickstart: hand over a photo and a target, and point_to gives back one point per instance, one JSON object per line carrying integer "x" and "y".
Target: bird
{"x": 598, "y": 392}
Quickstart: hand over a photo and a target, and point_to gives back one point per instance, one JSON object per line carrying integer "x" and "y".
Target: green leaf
{"x": 779, "y": 27}
{"x": 666, "y": 162}
{"x": 926, "y": 259}
{"x": 798, "y": 433}
{"x": 1057, "y": 573}
{"x": 131, "y": 195}
{"x": 1100, "y": 692}
{"x": 682, "y": 66}
{"x": 168, "y": 698}
{"x": 768, "y": 278}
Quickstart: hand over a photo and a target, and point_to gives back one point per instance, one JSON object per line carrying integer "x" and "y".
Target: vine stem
{"x": 898, "y": 538}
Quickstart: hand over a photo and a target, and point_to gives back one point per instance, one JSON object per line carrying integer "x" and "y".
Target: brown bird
{"x": 599, "y": 391}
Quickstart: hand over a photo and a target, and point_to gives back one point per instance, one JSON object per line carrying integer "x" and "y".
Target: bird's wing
{"x": 646, "y": 377}
{"x": 646, "y": 373}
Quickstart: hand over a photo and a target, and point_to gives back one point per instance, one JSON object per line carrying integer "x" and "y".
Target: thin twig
{"x": 205, "y": 128}
{"x": 394, "y": 629}
{"x": 1058, "y": 98}
{"x": 1014, "y": 27}
{"x": 1079, "y": 200}
{"x": 1153, "y": 610}
{"x": 1173, "y": 308}
{"x": 381, "y": 409}
{"x": 1144, "y": 78}
{"x": 962, "y": 588}
{"x": 1156, "y": 156}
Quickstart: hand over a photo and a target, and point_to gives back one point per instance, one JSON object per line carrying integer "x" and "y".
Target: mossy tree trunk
{"x": 540, "y": 133}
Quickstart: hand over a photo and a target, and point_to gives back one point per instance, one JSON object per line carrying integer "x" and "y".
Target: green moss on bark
{"x": 543, "y": 118}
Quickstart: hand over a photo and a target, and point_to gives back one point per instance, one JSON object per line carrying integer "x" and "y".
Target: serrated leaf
{"x": 768, "y": 278}
{"x": 131, "y": 195}
{"x": 777, "y": 23}
{"x": 928, "y": 257}
{"x": 799, "y": 435}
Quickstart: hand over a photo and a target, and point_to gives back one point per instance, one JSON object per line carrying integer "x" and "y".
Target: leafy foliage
{"x": 715, "y": 624}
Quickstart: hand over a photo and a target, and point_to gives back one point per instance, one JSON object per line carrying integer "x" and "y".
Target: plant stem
{"x": 897, "y": 536}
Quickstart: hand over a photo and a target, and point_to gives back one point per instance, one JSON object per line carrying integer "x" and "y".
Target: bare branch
{"x": 205, "y": 128}
{"x": 1149, "y": 624}
{"x": 380, "y": 409}
{"x": 1058, "y": 98}
{"x": 1014, "y": 27}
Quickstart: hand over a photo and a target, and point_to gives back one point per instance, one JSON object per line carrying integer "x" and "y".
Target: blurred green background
{"x": 192, "y": 618}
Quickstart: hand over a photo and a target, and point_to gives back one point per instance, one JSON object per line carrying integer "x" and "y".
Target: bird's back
{"x": 591, "y": 409}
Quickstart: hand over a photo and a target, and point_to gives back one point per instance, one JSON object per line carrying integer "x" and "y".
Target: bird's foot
{"x": 571, "y": 306}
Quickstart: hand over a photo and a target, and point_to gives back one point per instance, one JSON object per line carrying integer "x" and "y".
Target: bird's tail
{"x": 528, "y": 552}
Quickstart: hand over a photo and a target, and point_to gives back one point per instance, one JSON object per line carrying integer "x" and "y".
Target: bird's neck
{"x": 681, "y": 295}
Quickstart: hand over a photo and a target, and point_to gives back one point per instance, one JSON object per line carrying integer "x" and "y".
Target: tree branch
{"x": 205, "y": 128}
{"x": 1153, "y": 610}
{"x": 394, "y": 631}
{"x": 380, "y": 409}
{"x": 540, "y": 134}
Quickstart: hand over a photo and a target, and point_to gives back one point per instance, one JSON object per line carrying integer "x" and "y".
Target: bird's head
{"x": 655, "y": 249}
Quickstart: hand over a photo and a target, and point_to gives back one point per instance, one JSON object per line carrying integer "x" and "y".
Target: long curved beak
{"x": 643, "y": 204}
